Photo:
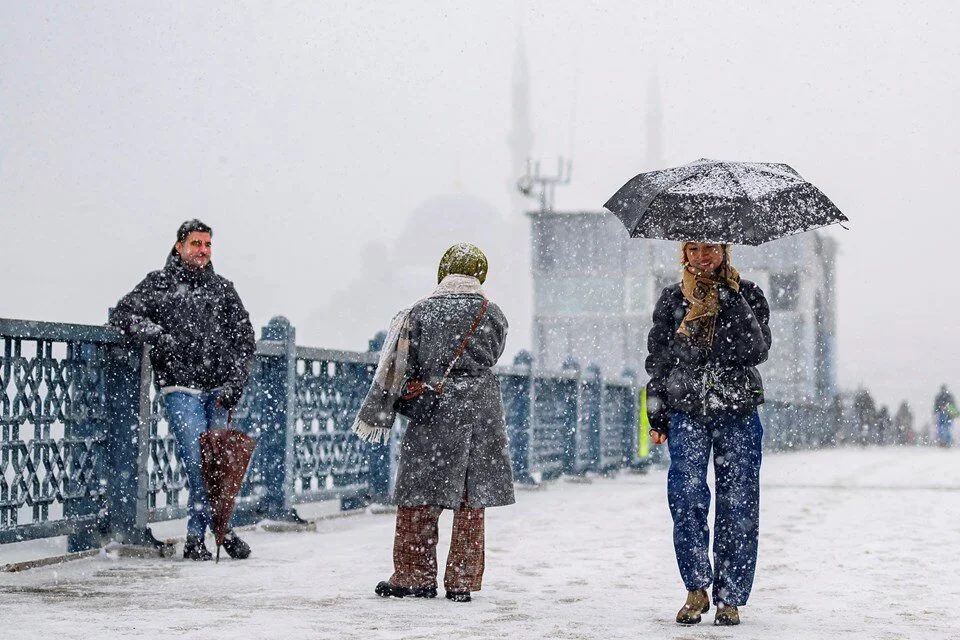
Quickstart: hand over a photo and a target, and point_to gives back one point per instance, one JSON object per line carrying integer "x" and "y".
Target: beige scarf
{"x": 702, "y": 291}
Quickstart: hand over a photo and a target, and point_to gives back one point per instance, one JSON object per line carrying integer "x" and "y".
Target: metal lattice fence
{"x": 86, "y": 450}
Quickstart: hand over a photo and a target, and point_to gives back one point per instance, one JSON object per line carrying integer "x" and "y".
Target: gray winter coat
{"x": 461, "y": 451}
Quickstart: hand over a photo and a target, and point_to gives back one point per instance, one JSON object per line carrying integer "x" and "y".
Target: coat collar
{"x": 456, "y": 284}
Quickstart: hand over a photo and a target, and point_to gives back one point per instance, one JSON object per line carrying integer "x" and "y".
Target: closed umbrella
{"x": 224, "y": 456}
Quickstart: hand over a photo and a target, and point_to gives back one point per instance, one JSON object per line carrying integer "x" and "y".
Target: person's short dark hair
{"x": 190, "y": 226}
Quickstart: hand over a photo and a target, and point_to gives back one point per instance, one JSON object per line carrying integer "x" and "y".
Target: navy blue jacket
{"x": 701, "y": 381}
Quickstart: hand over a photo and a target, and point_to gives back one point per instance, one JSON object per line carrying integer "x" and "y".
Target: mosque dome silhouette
{"x": 445, "y": 220}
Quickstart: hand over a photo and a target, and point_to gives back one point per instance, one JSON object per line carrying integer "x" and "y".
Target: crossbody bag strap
{"x": 463, "y": 345}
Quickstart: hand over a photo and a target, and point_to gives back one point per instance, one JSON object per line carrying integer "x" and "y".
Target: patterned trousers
{"x": 415, "y": 549}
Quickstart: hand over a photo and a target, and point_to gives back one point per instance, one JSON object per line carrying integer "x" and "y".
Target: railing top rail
{"x": 270, "y": 348}
{"x": 620, "y": 382}
{"x": 335, "y": 355}
{"x": 58, "y": 331}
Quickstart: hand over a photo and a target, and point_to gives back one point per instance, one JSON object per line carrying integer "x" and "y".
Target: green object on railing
{"x": 643, "y": 425}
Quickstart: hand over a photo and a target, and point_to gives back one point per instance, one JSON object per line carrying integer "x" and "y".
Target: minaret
{"x": 653, "y": 156}
{"x": 521, "y": 131}
{"x": 519, "y": 289}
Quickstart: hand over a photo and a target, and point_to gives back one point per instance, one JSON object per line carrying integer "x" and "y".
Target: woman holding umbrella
{"x": 709, "y": 333}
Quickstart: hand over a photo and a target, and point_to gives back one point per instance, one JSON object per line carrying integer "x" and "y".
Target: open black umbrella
{"x": 722, "y": 202}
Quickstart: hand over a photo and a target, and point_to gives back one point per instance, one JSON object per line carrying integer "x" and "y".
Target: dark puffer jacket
{"x": 700, "y": 381}
{"x": 199, "y": 329}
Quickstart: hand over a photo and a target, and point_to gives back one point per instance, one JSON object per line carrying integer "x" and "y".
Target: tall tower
{"x": 520, "y": 139}
{"x": 519, "y": 287}
{"x": 653, "y": 156}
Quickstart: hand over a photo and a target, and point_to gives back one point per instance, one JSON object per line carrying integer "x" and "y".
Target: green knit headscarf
{"x": 465, "y": 259}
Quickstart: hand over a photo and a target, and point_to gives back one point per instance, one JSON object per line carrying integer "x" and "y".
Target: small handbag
{"x": 418, "y": 400}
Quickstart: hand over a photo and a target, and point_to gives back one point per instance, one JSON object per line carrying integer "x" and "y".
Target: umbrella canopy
{"x": 722, "y": 202}
{"x": 224, "y": 456}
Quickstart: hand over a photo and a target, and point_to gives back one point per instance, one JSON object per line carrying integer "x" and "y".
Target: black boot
{"x": 235, "y": 547}
{"x": 194, "y": 549}
{"x": 458, "y": 596}
{"x": 387, "y": 589}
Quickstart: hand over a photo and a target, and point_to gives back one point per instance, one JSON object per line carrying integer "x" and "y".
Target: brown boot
{"x": 727, "y": 616}
{"x": 697, "y": 603}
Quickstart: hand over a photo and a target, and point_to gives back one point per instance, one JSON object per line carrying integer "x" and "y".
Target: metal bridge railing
{"x": 85, "y": 449}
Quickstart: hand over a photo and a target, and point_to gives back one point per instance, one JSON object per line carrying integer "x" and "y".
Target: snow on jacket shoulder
{"x": 700, "y": 381}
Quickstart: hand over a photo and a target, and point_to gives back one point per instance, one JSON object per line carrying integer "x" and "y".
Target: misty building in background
{"x": 595, "y": 289}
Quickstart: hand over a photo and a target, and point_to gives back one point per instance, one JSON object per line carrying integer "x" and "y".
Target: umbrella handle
{"x": 218, "y": 555}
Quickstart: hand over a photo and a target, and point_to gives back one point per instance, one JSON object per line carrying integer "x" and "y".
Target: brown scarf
{"x": 702, "y": 291}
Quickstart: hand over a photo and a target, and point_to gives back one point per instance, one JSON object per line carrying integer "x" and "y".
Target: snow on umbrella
{"x": 224, "y": 456}
{"x": 722, "y": 202}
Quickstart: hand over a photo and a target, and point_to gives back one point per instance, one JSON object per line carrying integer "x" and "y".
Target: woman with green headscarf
{"x": 457, "y": 456}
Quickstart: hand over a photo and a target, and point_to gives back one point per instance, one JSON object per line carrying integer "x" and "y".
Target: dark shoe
{"x": 235, "y": 547}
{"x": 727, "y": 616}
{"x": 387, "y": 589}
{"x": 697, "y": 603}
{"x": 458, "y": 596}
{"x": 194, "y": 549}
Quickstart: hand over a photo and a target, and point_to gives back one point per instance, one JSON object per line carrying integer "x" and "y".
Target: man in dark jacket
{"x": 710, "y": 331}
{"x": 202, "y": 350}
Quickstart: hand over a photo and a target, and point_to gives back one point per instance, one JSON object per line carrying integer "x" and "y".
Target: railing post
{"x": 279, "y": 414}
{"x": 127, "y": 379}
{"x": 519, "y": 422}
{"x": 571, "y": 418}
{"x": 81, "y": 433}
{"x": 592, "y": 419}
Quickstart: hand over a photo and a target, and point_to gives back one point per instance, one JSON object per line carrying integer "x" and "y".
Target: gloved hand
{"x": 229, "y": 396}
{"x": 691, "y": 353}
{"x": 660, "y": 422}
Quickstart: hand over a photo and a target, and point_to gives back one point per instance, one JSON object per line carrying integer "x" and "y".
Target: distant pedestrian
{"x": 456, "y": 456}
{"x": 202, "y": 350}
{"x": 709, "y": 333}
{"x": 903, "y": 424}
{"x": 945, "y": 410}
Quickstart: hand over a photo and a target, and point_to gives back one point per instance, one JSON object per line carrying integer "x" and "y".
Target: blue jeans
{"x": 736, "y": 441}
{"x": 189, "y": 416}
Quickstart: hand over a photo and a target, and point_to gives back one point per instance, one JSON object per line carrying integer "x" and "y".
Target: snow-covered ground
{"x": 854, "y": 543}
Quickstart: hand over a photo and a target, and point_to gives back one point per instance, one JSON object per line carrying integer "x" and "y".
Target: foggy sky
{"x": 306, "y": 134}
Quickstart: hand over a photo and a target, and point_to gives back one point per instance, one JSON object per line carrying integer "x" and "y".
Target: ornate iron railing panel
{"x": 618, "y": 426}
{"x": 53, "y": 428}
{"x": 167, "y": 483}
{"x": 554, "y": 424}
{"x": 328, "y": 460}
{"x": 589, "y": 419}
